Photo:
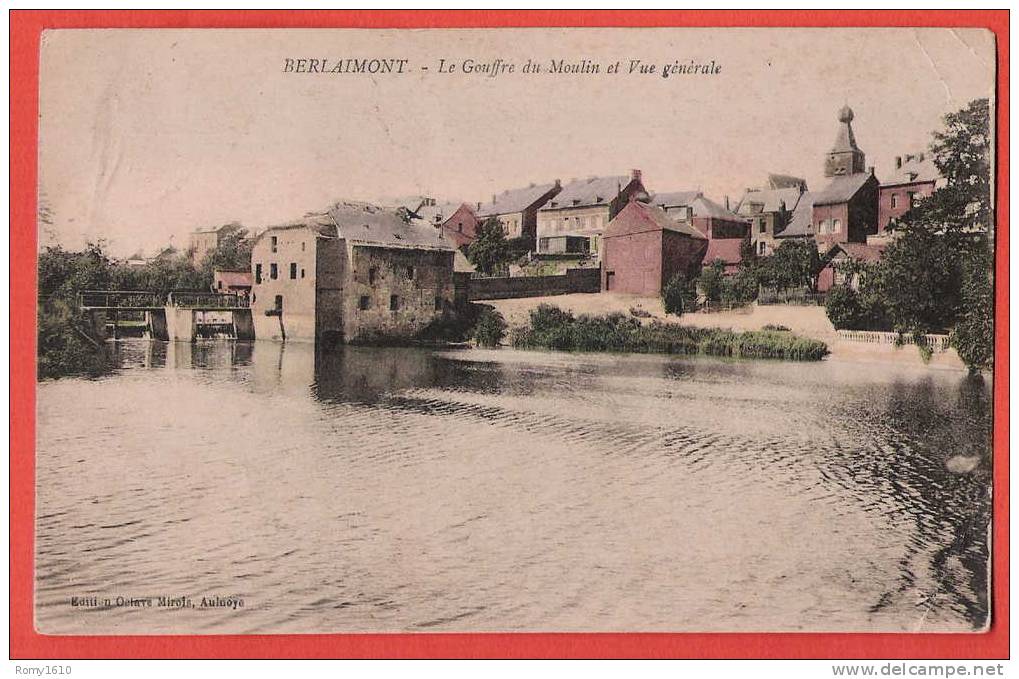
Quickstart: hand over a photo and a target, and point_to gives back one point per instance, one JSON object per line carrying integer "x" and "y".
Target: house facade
{"x": 575, "y": 219}
{"x": 915, "y": 177}
{"x": 231, "y": 282}
{"x": 355, "y": 272}
{"x": 643, "y": 248}
{"x": 517, "y": 209}
{"x": 770, "y": 210}
{"x": 456, "y": 221}
{"x": 836, "y": 259}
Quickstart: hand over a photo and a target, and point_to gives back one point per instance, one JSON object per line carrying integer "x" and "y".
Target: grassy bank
{"x": 552, "y": 328}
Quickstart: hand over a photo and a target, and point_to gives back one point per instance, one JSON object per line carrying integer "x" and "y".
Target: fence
{"x": 935, "y": 342}
{"x": 712, "y": 307}
{"x": 801, "y": 297}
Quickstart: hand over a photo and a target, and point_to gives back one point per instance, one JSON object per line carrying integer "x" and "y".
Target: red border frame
{"x": 25, "y": 642}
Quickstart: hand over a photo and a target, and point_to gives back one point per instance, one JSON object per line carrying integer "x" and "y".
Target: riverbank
{"x": 806, "y": 321}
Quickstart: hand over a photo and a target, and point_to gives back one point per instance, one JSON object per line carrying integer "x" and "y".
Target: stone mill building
{"x": 355, "y": 272}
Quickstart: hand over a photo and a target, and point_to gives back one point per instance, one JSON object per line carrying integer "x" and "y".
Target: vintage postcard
{"x": 515, "y": 330}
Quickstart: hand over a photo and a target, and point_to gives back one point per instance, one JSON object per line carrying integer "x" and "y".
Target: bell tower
{"x": 845, "y": 156}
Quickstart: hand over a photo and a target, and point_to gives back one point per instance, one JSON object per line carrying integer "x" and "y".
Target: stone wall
{"x": 575, "y": 280}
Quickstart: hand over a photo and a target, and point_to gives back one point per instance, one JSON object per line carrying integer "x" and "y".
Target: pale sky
{"x": 146, "y": 135}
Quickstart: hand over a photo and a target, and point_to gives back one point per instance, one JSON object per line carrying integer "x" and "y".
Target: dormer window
{"x": 576, "y": 201}
{"x": 598, "y": 199}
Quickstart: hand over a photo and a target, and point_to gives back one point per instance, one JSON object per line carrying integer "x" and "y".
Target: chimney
{"x": 493, "y": 199}
{"x": 635, "y": 174}
{"x": 871, "y": 170}
{"x": 726, "y": 202}
{"x": 558, "y": 184}
{"x": 898, "y": 162}
{"x": 479, "y": 206}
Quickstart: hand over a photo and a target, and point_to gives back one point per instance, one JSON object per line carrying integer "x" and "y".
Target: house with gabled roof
{"x": 915, "y": 177}
{"x": 455, "y": 220}
{"x": 574, "y": 219}
{"x": 724, "y": 229}
{"x": 834, "y": 270}
{"x": 644, "y": 247}
{"x": 517, "y": 209}
{"x": 845, "y": 211}
{"x": 770, "y": 210}
{"x": 352, "y": 272}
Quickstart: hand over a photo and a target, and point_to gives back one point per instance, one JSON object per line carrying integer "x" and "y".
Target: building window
{"x": 762, "y": 248}
{"x": 258, "y": 273}
{"x": 914, "y": 200}
{"x": 895, "y": 200}
{"x": 293, "y": 271}
{"x": 273, "y": 241}
{"x": 394, "y": 302}
{"x": 438, "y": 304}
{"x": 364, "y": 303}
{"x": 761, "y": 226}
{"x": 219, "y": 285}
{"x": 302, "y": 273}
{"x": 836, "y": 226}
{"x": 410, "y": 273}
{"x": 372, "y": 275}
{"x": 302, "y": 246}
{"x": 460, "y": 227}
{"x": 273, "y": 271}
{"x": 279, "y": 303}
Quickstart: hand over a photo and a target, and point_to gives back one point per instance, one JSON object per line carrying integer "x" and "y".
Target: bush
{"x": 675, "y": 295}
{"x": 637, "y": 312}
{"x": 557, "y": 329}
{"x": 490, "y": 328}
{"x": 973, "y": 336}
{"x": 844, "y": 309}
{"x": 775, "y": 328}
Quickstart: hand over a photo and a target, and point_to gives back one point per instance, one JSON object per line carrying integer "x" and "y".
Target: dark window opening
{"x": 273, "y": 271}
{"x": 293, "y": 270}
{"x": 364, "y": 303}
{"x": 372, "y": 275}
{"x": 302, "y": 246}
{"x": 219, "y": 285}
{"x": 258, "y": 273}
{"x": 438, "y": 304}
{"x": 302, "y": 273}
{"x": 394, "y": 302}
{"x": 273, "y": 241}
{"x": 410, "y": 273}
{"x": 279, "y": 303}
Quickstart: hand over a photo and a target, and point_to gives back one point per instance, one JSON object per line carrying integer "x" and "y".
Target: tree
{"x": 844, "y": 309}
{"x": 794, "y": 264}
{"x": 233, "y": 253}
{"x": 710, "y": 281}
{"x": 678, "y": 295}
{"x": 490, "y": 328}
{"x": 973, "y": 336}
{"x": 490, "y": 248}
{"x": 921, "y": 274}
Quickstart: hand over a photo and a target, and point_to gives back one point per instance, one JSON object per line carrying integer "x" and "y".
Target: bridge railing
{"x": 125, "y": 299}
{"x": 206, "y": 300}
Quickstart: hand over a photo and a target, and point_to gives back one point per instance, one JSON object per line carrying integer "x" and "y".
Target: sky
{"x": 146, "y": 135}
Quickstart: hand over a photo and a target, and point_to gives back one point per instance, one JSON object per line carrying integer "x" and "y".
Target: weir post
{"x": 156, "y": 320}
{"x": 180, "y": 324}
{"x": 244, "y": 324}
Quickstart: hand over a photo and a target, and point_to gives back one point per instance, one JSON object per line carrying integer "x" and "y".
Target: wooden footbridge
{"x": 176, "y": 316}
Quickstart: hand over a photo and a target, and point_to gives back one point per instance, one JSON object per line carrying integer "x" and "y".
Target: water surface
{"x": 369, "y": 489}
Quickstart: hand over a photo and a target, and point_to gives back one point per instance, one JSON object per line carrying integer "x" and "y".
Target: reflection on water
{"x": 367, "y": 489}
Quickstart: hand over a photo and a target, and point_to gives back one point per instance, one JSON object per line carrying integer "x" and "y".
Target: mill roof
{"x": 367, "y": 224}
{"x": 514, "y": 200}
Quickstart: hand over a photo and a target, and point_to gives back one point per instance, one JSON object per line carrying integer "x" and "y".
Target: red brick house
{"x": 916, "y": 177}
{"x": 643, "y": 248}
{"x": 457, "y": 222}
{"x": 845, "y": 211}
{"x": 231, "y": 282}
{"x": 724, "y": 229}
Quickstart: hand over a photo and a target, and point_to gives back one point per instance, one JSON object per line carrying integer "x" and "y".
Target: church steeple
{"x": 845, "y": 156}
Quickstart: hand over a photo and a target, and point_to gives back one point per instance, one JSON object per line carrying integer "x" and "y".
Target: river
{"x": 394, "y": 489}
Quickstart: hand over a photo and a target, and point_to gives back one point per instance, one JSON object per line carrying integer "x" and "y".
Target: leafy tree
{"x": 973, "y": 336}
{"x": 921, "y": 274}
{"x": 490, "y": 248}
{"x": 794, "y": 264}
{"x": 232, "y": 254}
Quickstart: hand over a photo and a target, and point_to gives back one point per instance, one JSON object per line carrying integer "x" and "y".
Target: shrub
{"x": 676, "y": 295}
{"x": 557, "y": 329}
{"x": 775, "y": 328}
{"x": 490, "y": 328}
{"x": 844, "y": 309}
{"x": 973, "y": 336}
{"x": 637, "y": 312}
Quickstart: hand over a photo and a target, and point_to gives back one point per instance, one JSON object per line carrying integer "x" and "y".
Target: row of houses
{"x": 357, "y": 270}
